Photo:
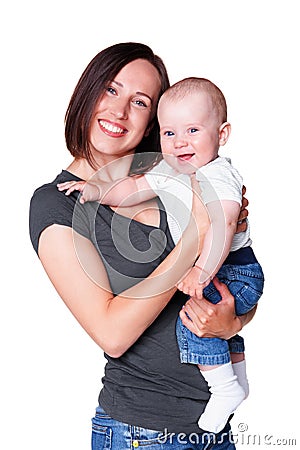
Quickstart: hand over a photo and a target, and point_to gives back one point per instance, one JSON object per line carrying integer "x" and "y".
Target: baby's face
{"x": 189, "y": 131}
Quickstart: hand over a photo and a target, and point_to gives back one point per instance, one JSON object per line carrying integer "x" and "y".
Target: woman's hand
{"x": 205, "y": 319}
{"x": 242, "y": 223}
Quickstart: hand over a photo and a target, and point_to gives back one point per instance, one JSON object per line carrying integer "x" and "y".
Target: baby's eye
{"x": 168, "y": 133}
{"x": 193, "y": 130}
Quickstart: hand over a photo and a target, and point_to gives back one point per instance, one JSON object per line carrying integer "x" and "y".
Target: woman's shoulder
{"x": 49, "y": 206}
{"x": 45, "y": 189}
{"x": 49, "y": 191}
{"x": 47, "y": 200}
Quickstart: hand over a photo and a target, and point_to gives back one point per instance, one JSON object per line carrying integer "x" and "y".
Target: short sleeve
{"x": 219, "y": 180}
{"x": 48, "y": 206}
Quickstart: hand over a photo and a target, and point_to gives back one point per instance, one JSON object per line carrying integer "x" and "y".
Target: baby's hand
{"x": 191, "y": 284}
{"x": 89, "y": 192}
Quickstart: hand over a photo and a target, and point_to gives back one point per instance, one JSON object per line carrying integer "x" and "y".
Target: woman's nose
{"x": 119, "y": 109}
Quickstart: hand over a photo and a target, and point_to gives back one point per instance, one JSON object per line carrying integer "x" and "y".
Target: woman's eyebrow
{"x": 137, "y": 93}
{"x": 145, "y": 95}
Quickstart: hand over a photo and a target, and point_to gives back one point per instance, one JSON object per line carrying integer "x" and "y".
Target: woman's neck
{"x": 109, "y": 169}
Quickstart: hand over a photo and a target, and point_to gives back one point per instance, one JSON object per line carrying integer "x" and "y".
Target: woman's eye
{"x": 140, "y": 103}
{"x": 111, "y": 90}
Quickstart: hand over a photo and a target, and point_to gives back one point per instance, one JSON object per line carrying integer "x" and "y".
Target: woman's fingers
{"x": 208, "y": 319}
{"x": 242, "y": 223}
{"x": 189, "y": 323}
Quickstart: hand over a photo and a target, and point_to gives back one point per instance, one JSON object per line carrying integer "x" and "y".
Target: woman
{"x": 119, "y": 285}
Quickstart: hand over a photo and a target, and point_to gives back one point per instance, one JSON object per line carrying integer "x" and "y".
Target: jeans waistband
{"x": 242, "y": 256}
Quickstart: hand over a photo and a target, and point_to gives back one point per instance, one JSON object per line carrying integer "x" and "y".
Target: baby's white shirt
{"x": 219, "y": 180}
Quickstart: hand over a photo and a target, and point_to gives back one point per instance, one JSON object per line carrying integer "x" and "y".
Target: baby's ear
{"x": 224, "y": 133}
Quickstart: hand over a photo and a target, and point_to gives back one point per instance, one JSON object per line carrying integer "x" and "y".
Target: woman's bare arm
{"x": 114, "y": 322}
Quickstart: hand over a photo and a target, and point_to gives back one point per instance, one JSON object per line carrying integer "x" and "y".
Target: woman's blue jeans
{"x": 109, "y": 434}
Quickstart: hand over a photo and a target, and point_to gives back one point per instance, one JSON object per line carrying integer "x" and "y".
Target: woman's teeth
{"x": 111, "y": 128}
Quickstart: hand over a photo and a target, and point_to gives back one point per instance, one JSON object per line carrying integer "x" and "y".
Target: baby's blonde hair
{"x": 193, "y": 84}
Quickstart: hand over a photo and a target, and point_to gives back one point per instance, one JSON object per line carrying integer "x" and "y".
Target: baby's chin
{"x": 181, "y": 166}
{"x": 188, "y": 169}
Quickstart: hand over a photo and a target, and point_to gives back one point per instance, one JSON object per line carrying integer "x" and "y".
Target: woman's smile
{"x": 111, "y": 128}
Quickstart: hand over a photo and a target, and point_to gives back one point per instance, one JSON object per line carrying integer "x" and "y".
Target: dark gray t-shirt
{"x": 147, "y": 386}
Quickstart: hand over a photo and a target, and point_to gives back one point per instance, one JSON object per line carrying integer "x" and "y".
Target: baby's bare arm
{"x": 90, "y": 192}
{"x": 217, "y": 244}
{"x": 127, "y": 191}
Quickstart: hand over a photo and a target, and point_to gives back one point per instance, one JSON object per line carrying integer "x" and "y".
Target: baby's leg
{"x": 237, "y": 354}
{"x": 212, "y": 356}
{"x": 240, "y": 370}
{"x": 226, "y": 395}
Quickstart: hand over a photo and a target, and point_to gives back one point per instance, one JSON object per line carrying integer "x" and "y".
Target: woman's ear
{"x": 224, "y": 133}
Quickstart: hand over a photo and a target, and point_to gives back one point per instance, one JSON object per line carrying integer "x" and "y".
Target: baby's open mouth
{"x": 185, "y": 156}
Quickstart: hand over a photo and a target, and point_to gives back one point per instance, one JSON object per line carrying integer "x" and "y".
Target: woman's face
{"x": 122, "y": 115}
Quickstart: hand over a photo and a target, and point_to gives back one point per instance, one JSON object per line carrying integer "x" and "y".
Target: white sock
{"x": 226, "y": 395}
{"x": 239, "y": 369}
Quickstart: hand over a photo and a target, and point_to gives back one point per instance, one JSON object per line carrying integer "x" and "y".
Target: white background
{"x": 50, "y": 370}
